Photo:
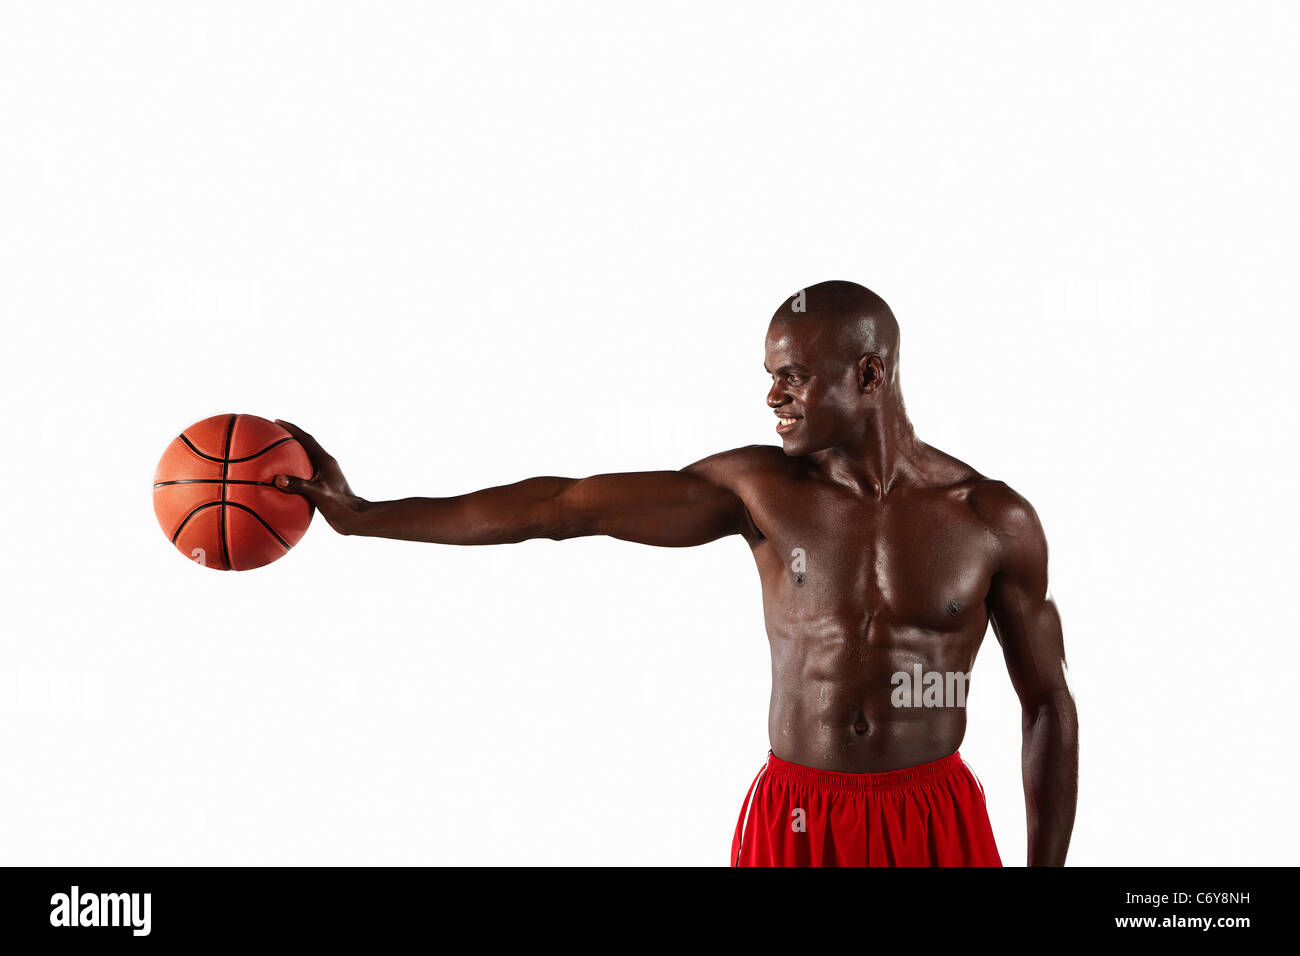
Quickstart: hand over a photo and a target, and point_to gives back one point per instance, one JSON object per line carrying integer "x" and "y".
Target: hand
{"x": 327, "y": 489}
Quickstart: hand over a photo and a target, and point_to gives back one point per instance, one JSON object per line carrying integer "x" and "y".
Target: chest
{"x": 918, "y": 559}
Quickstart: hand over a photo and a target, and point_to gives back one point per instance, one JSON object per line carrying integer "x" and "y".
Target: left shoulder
{"x": 1013, "y": 522}
{"x": 1006, "y": 512}
{"x": 995, "y": 503}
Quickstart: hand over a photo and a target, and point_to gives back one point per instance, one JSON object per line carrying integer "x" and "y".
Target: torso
{"x": 858, "y": 590}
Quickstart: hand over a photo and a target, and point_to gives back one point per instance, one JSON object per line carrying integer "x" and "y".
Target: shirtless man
{"x": 882, "y": 560}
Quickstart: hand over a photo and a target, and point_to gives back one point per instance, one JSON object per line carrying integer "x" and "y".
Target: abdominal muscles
{"x": 878, "y": 697}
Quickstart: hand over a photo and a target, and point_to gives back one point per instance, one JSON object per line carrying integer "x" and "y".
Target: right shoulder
{"x": 731, "y": 468}
{"x": 741, "y": 472}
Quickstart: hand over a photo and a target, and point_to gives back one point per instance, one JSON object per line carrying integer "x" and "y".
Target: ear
{"x": 871, "y": 373}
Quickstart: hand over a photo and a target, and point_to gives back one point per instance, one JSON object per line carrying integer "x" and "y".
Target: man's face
{"x": 813, "y": 387}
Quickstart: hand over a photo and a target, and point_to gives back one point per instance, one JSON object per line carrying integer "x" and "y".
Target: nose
{"x": 776, "y": 396}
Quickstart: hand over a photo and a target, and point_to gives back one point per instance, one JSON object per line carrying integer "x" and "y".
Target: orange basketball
{"x": 214, "y": 498}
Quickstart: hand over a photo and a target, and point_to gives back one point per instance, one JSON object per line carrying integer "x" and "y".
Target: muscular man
{"x": 882, "y": 560}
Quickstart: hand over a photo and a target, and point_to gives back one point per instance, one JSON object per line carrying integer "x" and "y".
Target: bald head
{"x": 859, "y": 321}
{"x": 832, "y": 352}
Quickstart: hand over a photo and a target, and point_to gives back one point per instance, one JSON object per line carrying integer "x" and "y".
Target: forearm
{"x": 502, "y": 515}
{"x": 1050, "y": 765}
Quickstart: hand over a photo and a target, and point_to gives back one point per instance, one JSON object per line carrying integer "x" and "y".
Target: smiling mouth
{"x": 786, "y": 424}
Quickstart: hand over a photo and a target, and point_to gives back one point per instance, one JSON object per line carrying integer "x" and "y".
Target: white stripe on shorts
{"x": 749, "y": 809}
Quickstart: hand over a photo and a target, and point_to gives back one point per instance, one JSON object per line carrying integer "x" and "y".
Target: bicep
{"x": 671, "y": 509}
{"x": 1025, "y": 619}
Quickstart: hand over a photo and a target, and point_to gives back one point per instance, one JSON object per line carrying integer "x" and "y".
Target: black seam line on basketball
{"x": 278, "y": 441}
{"x": 234, "y": 461}
{"x": 232, "y": 504}
{"x": 186, "y": 519}
{"x": 265, "y": 524}
{"x": 225, "y": 473}
{"x": 213, "y": 481}
{"x": 194, "y": 449}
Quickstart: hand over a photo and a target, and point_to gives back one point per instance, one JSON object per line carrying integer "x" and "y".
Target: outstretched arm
{"x": 1028, "y": 627}
{"x": 665, "y": 508}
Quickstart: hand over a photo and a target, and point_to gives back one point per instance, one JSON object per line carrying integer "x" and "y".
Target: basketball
{"x": 214, "y": 498}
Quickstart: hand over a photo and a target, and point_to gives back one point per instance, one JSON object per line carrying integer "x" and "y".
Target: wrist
{"x": 348, "y": 514}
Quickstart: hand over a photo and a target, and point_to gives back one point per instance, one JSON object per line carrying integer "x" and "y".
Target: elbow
{"x": 562, "y": 527}
{"x": 1053, "y": 711}
{"x": 561, "y": 515}
{"x": 556, "y": 533}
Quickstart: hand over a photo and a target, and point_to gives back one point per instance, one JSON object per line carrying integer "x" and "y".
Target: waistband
{"x": 857, "y": 782}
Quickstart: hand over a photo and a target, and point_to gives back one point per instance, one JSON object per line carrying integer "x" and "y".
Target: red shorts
{"x": 929, "y": 815}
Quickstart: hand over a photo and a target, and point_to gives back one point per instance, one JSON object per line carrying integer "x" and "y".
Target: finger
{"x": 314, "y": 451}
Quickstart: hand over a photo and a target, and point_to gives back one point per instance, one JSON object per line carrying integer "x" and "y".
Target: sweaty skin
{"x": 876, "y": 552}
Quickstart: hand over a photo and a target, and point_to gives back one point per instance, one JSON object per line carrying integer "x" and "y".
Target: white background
{"x": 468, "y": 244}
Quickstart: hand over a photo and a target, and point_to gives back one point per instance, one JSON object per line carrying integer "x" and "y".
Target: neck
{"x": 885, "y": 451}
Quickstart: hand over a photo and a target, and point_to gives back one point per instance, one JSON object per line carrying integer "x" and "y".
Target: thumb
{"x": 295, "y": 485}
